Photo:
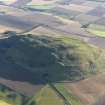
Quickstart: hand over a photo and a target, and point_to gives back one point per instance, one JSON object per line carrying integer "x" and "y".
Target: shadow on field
{"x": 37, "y": 60}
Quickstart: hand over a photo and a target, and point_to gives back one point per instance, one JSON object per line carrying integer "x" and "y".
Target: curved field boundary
{"x": 60, "y": 94}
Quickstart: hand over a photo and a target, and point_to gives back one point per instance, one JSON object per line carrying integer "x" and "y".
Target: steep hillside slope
{"x": 45, "y": 60}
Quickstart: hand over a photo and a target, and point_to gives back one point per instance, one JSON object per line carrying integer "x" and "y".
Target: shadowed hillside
{"x": 41, "y": 59}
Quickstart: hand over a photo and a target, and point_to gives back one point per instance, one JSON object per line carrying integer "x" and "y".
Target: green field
{"x": 97, "y": 30}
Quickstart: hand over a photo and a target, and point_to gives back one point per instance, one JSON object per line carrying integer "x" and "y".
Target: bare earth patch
{"x": 89, "y": 90}
{"x": 24, "y": 88}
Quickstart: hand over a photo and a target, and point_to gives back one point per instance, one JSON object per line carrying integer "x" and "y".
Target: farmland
{"x": 52, "y": 52}
{"x": 97, "y": 30}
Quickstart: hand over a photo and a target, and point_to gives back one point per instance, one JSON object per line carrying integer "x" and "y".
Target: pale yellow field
{"x": 3, "y": 103}
{"x": 41, "y": 2}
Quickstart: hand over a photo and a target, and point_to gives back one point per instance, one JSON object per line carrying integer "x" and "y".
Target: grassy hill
{"x": 45, "y": 60}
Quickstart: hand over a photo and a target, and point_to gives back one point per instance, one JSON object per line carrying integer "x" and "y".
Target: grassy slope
{"x": 51, "y": 60}
{"x": 81, "y": 49}
{"x": 56, "y": 59}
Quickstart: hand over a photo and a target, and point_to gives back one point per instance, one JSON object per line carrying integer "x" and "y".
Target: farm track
{"x": 59, "y": 94}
